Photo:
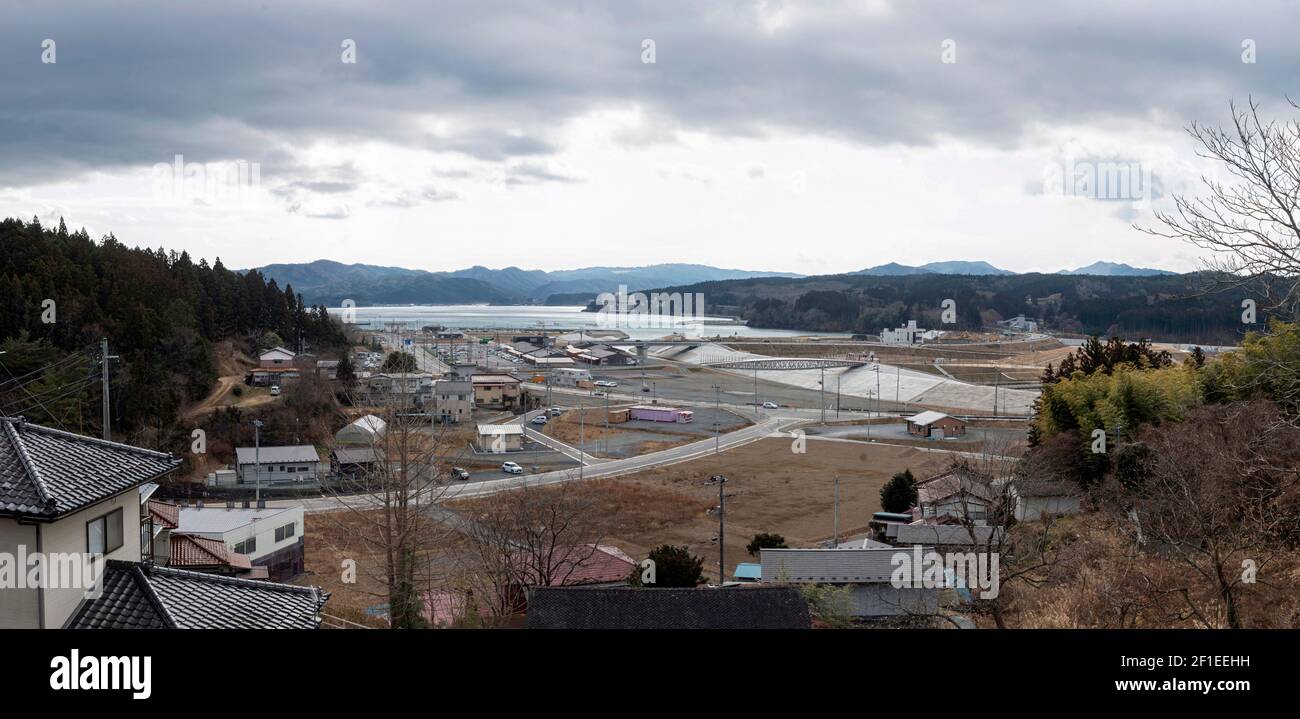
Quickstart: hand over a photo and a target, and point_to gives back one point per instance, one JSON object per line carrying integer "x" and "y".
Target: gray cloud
{"x": 136, "y": 84}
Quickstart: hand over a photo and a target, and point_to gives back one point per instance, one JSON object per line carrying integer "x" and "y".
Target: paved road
{"x": 770, "y": 426}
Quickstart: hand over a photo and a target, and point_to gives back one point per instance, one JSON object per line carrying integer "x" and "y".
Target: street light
{"x": 257, "y": 459}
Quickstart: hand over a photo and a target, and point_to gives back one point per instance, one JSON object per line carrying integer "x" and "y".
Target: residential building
{"x": 64, "y": 494}
{"x": 941, "y": 536}
{"x": 957, "y": 493}
{"x": 401, "y": 388}
{"x": 276, "y": 358}
{"x": 202, "y": 554}
{"x": 1032, "y": 499}
{"x": 500, "y": 437}
{"x": 629, "y": 608}
{"x": 931, "y": 424}
{"x": 270, "y": 537}
{"x": 453, "y": 400}
{"x": 144, "y": 596}
{"x": 571, "y": 377}
{"x": 867, "y": 571}
{"x": 270, "y": 465}
{"x": 265, "y": 377}
{"x": 329, "y": 369}
{"x": 353, "y": 461}
{"x": 501, "y": 391}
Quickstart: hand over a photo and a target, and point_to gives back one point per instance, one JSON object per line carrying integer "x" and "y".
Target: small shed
{"x": 500, "y": 437}
{"x": 935, "y": 424}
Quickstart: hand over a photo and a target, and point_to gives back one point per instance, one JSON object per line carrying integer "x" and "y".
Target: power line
{"x": 46, "y": 368}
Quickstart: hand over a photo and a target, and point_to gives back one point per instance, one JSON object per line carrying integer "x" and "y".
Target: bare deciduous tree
{"x": 1249, "y": 223}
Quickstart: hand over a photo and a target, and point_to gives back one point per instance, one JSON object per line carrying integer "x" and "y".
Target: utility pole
{"x": 582, "y": 428}
{"x": 717, "y": 431}
{"x": 821, "y": 393}
{"x": 257, "y": 460}
{"x": 997, "y": 379}
{"x": 835, "y": 539}
{"x": 103, "y": 378}
{"x": 606, "y": 438}
{"x": 722, "y": 529}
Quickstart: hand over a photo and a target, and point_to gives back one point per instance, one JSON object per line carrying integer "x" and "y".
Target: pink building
{"x": 654, "y": 413}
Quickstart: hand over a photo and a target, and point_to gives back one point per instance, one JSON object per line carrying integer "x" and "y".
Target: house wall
{"x": 970, "y": 507}
{"x": 264, "y": 530}
{"x": 69, "y": 535}
{"x": 304, "y": 471}
{"x": 884, "y": 600}
{"x": 1031, "y": 508}
{"x": 19, "y": 608}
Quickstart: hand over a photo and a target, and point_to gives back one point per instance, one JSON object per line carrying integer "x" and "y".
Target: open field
{"x": 635, "y": 437}
{"x": 769, "y": 489}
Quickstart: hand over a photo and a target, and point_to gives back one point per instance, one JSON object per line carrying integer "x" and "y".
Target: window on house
{"x": 283, "y": 533}
{"x": 104, "y": 534}
{"x": 248, "y": 546}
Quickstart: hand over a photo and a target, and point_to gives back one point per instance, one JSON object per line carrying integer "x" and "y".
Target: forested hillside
{"x": 1176, "y": 308}
{"x": 61, "y": 291}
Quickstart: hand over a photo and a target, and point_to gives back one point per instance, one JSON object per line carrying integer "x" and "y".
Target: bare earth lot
{"x": 770, "y": 489}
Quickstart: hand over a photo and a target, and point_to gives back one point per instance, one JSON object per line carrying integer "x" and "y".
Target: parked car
{"x": 460, "y": 473}
{"x": 771, "y": 405}
{"x": 275, "y": 390}
{"x": 539, "y": 419}
{"x": 597, "y": 393}
{"x": 605, "y": 383}
{"x": 556, "y": 411}
{"x": 511, "y": 468}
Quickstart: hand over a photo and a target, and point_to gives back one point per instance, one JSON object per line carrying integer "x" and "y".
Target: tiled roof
{"x": 46, "y": 473}
{"x": 143, "y": 596}
{"x": 189, "y": 550}
{"x": 627, "y": 608}
{"x": 952, "y": 482}
{"x": 589, "y": 564}
{"x": 167, "y": 515}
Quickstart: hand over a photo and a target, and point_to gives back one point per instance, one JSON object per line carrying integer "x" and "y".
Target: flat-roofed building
{"x": 496, "y": 390}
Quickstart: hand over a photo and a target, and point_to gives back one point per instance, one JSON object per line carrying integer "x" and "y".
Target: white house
{"x": 269, "y": 465}
{"x": 270, "y": 537}
{"x": 955, "y": 493}
{"x": 68, "y": 497}
{"x": 276, "y": 358}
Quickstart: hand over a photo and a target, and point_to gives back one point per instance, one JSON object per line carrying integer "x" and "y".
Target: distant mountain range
{"x": 960, "y": 267}
{"x": 1115, "y": 269}
{"x": 328, "y": 282}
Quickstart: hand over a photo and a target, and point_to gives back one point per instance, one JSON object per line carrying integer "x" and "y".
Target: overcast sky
{"x": 805, "y": 137}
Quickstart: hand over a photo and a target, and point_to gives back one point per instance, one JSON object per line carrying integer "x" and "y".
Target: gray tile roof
{"x": 277, "y": 455}
{"x": 842, "y": 566}
{"x": 143, "y": 596}
{"x": 46, "y": 473}
{"x": 627, "y": 608}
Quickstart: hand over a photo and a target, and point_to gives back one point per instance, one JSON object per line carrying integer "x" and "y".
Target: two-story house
{"x": 68, "y": 502}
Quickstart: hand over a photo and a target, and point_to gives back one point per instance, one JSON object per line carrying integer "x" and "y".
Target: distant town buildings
{"x": 908, "y": 334}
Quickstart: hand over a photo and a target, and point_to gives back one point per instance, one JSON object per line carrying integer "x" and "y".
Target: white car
{"x": 556, "y": 411}
{"x": 605, "y": 383}
{"x": 511, "y": 468}
{"x": 539, "y": 419}
{"x": 275, "y": 390}
{"x": 770, "y": 405}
